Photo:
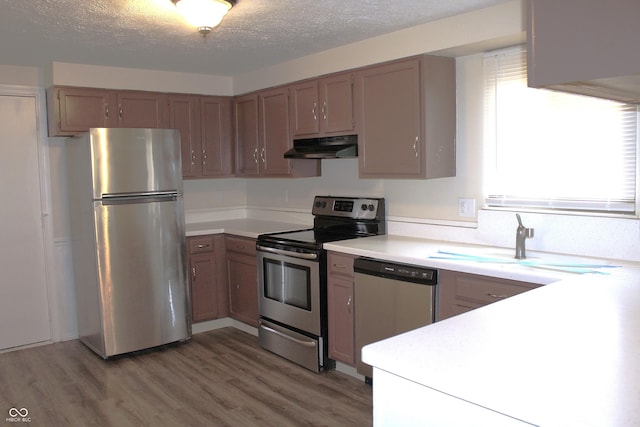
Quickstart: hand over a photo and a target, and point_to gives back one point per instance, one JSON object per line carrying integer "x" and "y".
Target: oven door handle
{"x": 295, "y": 340}
{"x": 287, "y": 253}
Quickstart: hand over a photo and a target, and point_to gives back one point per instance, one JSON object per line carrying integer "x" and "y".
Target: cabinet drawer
{"x": 198, "y": 245}
{"x": 241, "y": 245}
{"x": 486, "y": 290}
{"x": 340, "y": 264}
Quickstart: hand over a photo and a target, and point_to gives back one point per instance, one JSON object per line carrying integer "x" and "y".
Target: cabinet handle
{"x": 324, "y": 110}
{"x": 193, "y": 273}
{"x": 415, "y": 146}
{"x": 255, "y": 155}
{"x": 106, "y": 111}
{"x": 204, "y": 157}
{"x": 203, "y": 246}
{"x": 262, "y": 156}
{"x": 239, "y": 246}
{"x": 193, "y": 158}
{"x": 314, "y": 110}
{"x": 496, "y": 296}
{"x": 120, "y": 111}
{"x": 339, "y": 265}
{"x": 350, "y": 305}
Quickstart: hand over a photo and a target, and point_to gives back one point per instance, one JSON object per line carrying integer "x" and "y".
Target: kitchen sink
{"x": 539, "y": 260}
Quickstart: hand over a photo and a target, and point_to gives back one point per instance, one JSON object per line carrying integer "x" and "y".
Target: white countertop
{"x": 245, "y": 227}
{"x": 424, "y": 252}
{"x": 565, "y": 354}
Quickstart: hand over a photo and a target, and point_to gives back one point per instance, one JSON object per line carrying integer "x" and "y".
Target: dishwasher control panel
{"x": 391, "y": 270}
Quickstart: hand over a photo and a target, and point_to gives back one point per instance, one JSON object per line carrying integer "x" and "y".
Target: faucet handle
{"x": 519, "y": 220}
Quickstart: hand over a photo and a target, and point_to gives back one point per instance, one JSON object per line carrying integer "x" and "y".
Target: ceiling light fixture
{"x": 204, "y": 14}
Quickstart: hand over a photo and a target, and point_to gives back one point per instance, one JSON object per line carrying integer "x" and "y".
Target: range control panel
{"x": 349, "y": 207}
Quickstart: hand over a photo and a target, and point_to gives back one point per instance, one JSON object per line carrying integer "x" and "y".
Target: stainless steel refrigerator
{"x": 128, "y": 241}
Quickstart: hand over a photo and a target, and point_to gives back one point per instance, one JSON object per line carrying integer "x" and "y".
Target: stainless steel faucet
{"x": 522, "y": 233}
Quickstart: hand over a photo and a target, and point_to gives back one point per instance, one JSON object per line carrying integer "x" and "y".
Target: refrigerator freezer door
{"x": 142, "y": 275}
{"x": 135, "y": 161}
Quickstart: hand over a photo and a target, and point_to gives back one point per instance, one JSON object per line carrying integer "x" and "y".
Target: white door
{"x": 24, "y": 310}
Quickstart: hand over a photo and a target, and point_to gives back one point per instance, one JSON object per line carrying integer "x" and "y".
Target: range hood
{"x": 330, "y": 147}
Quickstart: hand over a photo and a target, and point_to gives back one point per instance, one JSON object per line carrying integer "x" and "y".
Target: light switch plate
{"x": 467, "y": 208}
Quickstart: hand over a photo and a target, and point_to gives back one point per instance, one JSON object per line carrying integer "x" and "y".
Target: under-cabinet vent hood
{"x": 330, "y": 147}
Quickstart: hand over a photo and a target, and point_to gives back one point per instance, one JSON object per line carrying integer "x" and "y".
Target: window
{"x": 552, "y": 150}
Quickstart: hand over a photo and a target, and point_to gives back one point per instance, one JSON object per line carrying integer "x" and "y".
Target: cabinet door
{"x": 75, "y": 110}
{"x": 243, "y": 288}
{"x": 274, "y": 132}
{"x": 336, "y": 104}
{"x": 204, "y": 304}
{"x": 341, "y": 320}
{"x": 305, "y": 108}
{"x": 141, "y": 109}
{"x": 246, "y": 117}
{"x": 390, "y": 136}
{"x": 184, "y": 115}
{"x": 216, "y": 136}
{"x": 462, "y": 292}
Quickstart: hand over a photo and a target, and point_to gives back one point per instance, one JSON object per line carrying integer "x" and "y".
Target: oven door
{"x": 289, "y": 288}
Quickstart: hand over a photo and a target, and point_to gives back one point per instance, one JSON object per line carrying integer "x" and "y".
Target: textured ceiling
{"x": 151, "y": 34}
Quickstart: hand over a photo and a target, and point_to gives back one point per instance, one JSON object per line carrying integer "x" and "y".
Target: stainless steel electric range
{"x": 292, "y": 277}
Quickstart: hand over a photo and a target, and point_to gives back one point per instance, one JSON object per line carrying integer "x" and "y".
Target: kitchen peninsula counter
{"x": 564, "y": 354}
{"x": 246, "y": 227}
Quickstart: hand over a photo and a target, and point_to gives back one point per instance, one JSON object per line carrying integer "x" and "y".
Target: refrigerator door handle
{"x": 148, "y": 197}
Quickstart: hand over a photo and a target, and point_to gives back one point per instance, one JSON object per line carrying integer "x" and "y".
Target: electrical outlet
{"x": 467, "y": 208}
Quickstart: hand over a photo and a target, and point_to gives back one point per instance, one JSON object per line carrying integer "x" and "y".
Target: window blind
{"x": 553, "y": 150}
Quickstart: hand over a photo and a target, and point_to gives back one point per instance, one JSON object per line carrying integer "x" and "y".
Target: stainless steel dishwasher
{"x": 390, "y": 299}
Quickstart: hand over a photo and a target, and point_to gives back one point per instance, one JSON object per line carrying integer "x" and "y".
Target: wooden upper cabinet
{"x": 585, "y": 47}
{"x": 304, "y": 112}
{"x": 262, "y": 137}
{"x": 204, "y": 123}
{"x": 74, "y": 110}
{"x": 337, "y": 107}
{"x": 141, "y": 109}
{"x": 246, "y": 134}
{"x": 407, "y": 118}
{"x": 217, "y": 146}
{"x": 274, "y": 137}
{"x": 323, "y": 106}
{"x": 184, "y": 115}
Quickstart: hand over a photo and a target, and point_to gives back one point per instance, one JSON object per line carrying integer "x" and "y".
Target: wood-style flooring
{"x": 219, "y": 378}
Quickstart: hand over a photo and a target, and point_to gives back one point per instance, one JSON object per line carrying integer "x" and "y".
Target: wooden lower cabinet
{"x": 242, "y": 279}
{"x": 340, "y": 305}
{"x": 462, "y": 292}
{"x": 206, "y": 273}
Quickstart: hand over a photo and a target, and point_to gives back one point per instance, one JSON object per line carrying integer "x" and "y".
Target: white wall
{"x": 472, "y": 32}
{"x": 65, "y": 74}
{"x": 20, "y": 76}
